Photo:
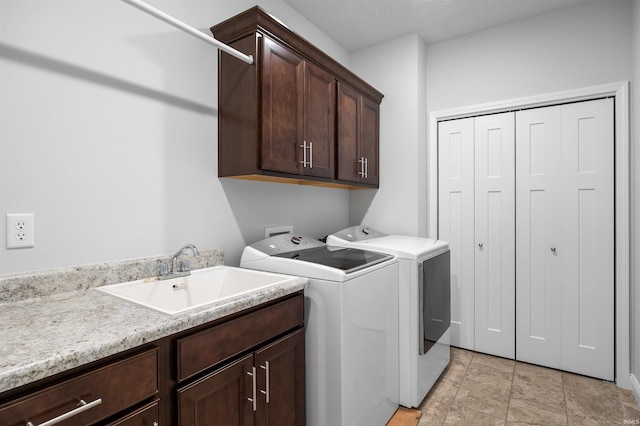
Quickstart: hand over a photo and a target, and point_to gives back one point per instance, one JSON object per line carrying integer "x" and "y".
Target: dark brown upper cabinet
{"x": 288, "y": 117}
{"x": 358, "y": 124}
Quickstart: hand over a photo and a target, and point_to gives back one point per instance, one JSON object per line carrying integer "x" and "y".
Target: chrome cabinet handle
{"x": 82, "y": 407}
{"x": 266, "y": 392}
{"x": 553, "y": 250}
{"x": 361, "y": 161}
{"x": 364, "y": 170}
{"x": 253, "y": 400}
{"x": 304, "y": 161}
{"x": 480, "y": 245}
{"x": 304, "y": 154}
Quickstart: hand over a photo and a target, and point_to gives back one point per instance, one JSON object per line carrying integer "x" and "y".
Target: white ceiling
{"x": 356, "y": 24}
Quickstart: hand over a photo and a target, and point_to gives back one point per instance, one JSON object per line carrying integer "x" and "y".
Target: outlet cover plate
{"x": 20, "y": 230}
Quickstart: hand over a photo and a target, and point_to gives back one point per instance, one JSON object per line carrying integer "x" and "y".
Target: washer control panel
{"x": 286, "y": 243}
{"x": 359, "y": 233}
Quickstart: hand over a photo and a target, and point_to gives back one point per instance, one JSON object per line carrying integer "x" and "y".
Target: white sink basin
{"x": 202, "y": 287}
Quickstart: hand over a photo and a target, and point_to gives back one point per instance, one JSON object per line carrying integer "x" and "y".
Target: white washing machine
{"x": 351, "y": 326}
{"x": 425, "y": 304}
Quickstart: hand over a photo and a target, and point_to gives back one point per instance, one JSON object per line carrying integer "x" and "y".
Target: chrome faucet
{"x": 180, "y": 269}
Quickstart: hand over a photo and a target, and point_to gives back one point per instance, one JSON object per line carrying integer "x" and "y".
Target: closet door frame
{"x": 620, "y": 92}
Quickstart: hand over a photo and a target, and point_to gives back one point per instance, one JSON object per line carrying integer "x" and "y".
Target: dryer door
{"x": 435, "y": 299}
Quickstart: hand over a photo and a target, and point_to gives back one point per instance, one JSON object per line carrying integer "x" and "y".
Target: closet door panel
{"x": 538, "y": 230}
{"x": 455, "y": 222}
{"x": 495, "y": 235}
{"x": 587, "y": 248}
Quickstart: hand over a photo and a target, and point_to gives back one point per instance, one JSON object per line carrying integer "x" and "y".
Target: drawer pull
{"x": 82, "y": 407}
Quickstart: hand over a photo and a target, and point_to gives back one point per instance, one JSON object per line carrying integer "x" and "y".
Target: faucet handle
{"x": 185, "y": 265}
{"x": 163, "y": 269}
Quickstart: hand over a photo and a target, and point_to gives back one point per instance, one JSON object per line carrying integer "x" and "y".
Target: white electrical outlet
{"x": 21, "y": 231}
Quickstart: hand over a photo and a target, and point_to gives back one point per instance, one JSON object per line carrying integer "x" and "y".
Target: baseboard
{"x": 635, "y": 387}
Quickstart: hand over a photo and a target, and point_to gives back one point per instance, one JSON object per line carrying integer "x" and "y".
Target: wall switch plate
{"x": 20, "y": 230}
{"x": 277, "y": 230}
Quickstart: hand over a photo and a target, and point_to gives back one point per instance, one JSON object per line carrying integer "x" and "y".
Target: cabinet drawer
{"x": 145, "y": 416}
{"x": 209, "y": 347}
{"x": 117, "y": 386}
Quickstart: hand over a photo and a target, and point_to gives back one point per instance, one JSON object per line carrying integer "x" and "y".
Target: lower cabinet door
{"x": 281, "y": 382}
{"x": 221, "y": 398}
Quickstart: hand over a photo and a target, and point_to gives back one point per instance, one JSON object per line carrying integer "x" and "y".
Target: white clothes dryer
{"x": 351, "y": 326}
{"x": 425, "y": 304}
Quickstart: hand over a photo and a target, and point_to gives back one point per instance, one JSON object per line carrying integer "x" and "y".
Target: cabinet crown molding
{"x": 258, "y": 20}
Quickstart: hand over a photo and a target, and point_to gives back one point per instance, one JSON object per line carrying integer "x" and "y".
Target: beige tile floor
{"x": 478, "y": 389}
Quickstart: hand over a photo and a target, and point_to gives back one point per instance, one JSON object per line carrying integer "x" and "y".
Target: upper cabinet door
{"x": 319, "y": 122}
{"x": 282, "y": 108}
{"x": 358, "y": 137}
{"x": 369, "y": 142}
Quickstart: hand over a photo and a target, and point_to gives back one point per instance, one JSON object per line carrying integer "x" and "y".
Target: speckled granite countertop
{"x": 44, "y": 336}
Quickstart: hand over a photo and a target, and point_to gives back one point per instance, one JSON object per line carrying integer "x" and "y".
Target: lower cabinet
{"x": 263, "y": 388}
{"x": 247, "y": 369}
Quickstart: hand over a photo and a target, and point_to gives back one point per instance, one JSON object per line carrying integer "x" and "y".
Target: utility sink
{"x": 202, "y": 287}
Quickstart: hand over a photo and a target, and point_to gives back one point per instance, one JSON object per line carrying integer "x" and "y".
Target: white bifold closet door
{"x": 565, "y": 237}
{"x": 495, "y": 235}
{"x": 476, "y": 216}
{"x": 456, "y": 222}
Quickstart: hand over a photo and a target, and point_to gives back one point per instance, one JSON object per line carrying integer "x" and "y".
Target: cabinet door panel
{"x": 282, "y": 108}
{"x": 348, "y": 134}
{"x": 319, "y": 121}
{"x": 358, "y": 137}
{"x": 369, "y": 144}
{"x": 281, "y": 378}
{"x": 219, "y": 397}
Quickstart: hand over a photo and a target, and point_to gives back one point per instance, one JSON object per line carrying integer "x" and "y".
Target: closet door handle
{"x": 553, "y": 250}
{"x": 480, "y": 246}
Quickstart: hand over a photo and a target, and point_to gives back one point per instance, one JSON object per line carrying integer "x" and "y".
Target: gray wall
{"x": 108, "y": 133}
{"x": 398, "y": 69}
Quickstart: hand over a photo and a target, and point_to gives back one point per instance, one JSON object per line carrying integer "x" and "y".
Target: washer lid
{"x": 345, "y": 259}
{"x": 403, "y": 246}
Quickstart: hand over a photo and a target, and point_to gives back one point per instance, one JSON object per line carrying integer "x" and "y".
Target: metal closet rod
{"x": 188, "y": 29}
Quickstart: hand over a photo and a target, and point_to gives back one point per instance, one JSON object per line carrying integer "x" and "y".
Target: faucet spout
{"x": 191, "y": 247}
{"x": 175, "y": 257}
